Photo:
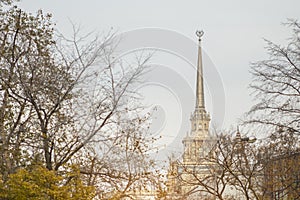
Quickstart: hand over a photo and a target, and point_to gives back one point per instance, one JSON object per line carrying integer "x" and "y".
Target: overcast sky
{"x": 234, "y": 32}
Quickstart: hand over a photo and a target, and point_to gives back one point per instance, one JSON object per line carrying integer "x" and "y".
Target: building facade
{"x": 282, "y": 177}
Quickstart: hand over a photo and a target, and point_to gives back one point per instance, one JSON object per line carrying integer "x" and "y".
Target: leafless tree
{"x": 276, "y": 83}
{"x": 122, "y": 166}
{"x": 67, "y": 101}
{"x": 231, "y": 170}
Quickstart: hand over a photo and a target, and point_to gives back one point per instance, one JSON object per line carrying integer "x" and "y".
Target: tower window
{"x": 199, "y": 127}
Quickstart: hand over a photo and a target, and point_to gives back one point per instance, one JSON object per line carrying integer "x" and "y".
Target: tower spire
{"x": 200, "y": 89}
{"x": 200, "y": 119}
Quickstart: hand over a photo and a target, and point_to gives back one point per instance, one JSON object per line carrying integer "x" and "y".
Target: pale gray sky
{"x": 234, "y": 31}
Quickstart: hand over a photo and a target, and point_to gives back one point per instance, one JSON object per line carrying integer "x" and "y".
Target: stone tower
{"x": 181, "y": 182}
{"x": 200, "y": 119}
